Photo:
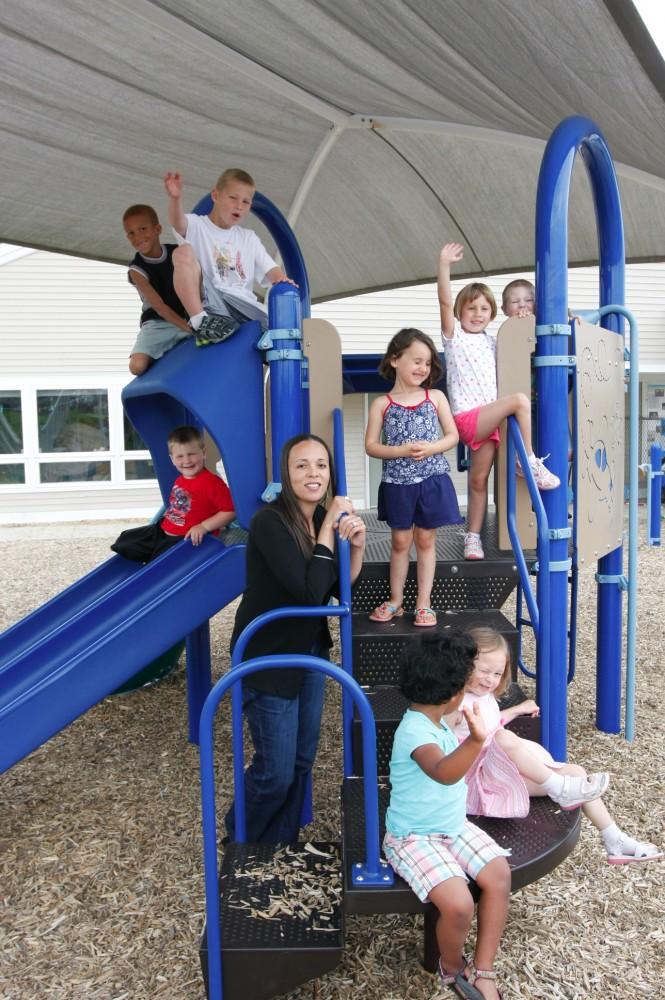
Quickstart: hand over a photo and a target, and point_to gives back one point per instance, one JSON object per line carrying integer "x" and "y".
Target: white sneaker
{"x": 473, "y": 547}
{"x": 545, "y": 480}
{"x": 577, "y": 790}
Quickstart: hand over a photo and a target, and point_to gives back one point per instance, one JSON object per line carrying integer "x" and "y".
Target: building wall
{"x": 67, "y": 326}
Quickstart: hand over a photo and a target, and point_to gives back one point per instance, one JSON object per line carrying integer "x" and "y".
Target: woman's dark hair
{"x": 400, "y": 343}
{"x": 435, "y": 667}
{"x": 287, "y": 505}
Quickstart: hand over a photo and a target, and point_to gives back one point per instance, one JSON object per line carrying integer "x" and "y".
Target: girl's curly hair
{"x": 435, "y": 667}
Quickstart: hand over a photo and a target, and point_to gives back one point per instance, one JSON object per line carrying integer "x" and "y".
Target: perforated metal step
{"x": 377, "y": 646}
{"x": 281, "y": 917}
{"x": 458, "y": 584}
{"x": 539, "y": 842}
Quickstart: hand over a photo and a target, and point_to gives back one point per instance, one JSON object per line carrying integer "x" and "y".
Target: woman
{"x": 290, "y": 561}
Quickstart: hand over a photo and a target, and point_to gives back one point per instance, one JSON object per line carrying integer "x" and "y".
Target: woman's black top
{"x": 279, "y": 575}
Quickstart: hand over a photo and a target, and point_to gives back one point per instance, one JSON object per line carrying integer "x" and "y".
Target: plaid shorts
{"x": 426, "y": 860}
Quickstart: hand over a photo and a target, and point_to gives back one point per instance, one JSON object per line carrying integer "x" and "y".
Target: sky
{"x": 652, "y": 13}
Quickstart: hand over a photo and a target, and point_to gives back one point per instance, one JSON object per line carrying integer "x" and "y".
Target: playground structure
{"x": 653, "y": 470}
{"x": 58, "y": 659}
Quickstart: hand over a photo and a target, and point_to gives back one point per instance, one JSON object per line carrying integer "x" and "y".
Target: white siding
{"x": 80, "y": 502}
{"x": 354, "y": 447}
{"x": 67, "y": 323}
{"x": 66, "y": 316}
{"x": 70, "y": 323}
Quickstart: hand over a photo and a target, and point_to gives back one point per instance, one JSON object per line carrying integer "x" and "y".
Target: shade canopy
{"x": 381, "y": 128}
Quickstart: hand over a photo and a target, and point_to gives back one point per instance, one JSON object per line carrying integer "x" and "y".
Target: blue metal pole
{"x": 539, "y": 610}
{"x": 346, "y": 622}
{"x": 552, "y": 332}
{"x": 199, "y": 675}
{"x": 284, "y": 355}
{"x": 654, "y": 487}
{"x": 599, "y": 164}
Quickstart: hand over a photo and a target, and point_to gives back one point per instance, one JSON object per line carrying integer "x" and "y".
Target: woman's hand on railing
{"x": 338, "y": 509}
{"x": 352, "y": 528}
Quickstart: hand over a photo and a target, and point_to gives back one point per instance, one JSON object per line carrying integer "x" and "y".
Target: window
{"x": 70, "y": 438}
{"x": 140, "y": 467}
{"x": 73, "y": 420}
{"x": 11, "y": 429}
{"x": 74, "y": 472}
{"x": 12, "y": 474}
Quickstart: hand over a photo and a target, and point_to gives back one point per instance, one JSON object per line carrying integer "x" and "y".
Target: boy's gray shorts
{"x": 222, "y": 304}
{"x": 156, "y": 337}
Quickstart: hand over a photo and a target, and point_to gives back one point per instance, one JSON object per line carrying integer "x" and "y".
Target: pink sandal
{"x": 642, "y": 852}
{"x": 386, "y": 612}
{"x": 424, "y": 618}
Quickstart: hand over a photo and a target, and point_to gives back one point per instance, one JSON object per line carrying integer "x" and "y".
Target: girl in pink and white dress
{"x": 510, "y": 769}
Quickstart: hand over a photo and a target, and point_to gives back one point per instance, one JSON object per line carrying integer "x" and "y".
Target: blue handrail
{"x": 346, "y": 621}
{"x": 373, "y": 873}
{"x": 325, "y": 610}
{"x": 539, "y": 608}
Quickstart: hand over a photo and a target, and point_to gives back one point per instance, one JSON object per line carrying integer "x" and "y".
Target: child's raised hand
{"x": 529, "y": 707}
{"x": 474, "y": 720}
{"x": 173, "y": 184}
{"x": 451, "y": 253}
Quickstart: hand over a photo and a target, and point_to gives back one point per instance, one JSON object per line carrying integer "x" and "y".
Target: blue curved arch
{"x": 221, "y": 387}
{"x": 574, "y": 135}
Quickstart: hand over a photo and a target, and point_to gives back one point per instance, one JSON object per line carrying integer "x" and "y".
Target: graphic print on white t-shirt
{"x": 229, "y": 268}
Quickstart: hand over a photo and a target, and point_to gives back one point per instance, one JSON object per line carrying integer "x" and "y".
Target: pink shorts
{"x": 467, "y": 423}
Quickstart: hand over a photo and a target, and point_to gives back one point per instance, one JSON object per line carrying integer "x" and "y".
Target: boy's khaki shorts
{"x": 156, "y": 337}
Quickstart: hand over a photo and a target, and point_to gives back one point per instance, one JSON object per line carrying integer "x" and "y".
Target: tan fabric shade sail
{"x": 381, "y": 128}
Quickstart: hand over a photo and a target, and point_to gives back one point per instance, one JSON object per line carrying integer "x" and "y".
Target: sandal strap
{"x": 448, "y": 978}
{"x": 477, "y": 973}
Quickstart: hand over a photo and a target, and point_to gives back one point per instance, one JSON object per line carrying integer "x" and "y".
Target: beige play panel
{"x": 516, "y": 342}
{"x": 323, "y": 348}
{"x": 601, "y": 432}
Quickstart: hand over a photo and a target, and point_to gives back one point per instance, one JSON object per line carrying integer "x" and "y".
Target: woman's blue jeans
{"x": 285, "y": 733}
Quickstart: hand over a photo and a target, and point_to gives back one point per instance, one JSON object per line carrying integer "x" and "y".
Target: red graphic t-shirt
{"x": 193, "y": 500}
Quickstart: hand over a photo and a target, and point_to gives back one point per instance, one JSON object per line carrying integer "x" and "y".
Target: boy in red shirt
{"x": 199, "y": 503}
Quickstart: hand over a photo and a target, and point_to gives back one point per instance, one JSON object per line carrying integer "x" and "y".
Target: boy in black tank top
{"x": 164, "y": 322}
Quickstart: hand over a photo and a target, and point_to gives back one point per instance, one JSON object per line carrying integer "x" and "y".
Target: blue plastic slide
{"x": 91, "y": 638}
{"x": 79, "y": 647}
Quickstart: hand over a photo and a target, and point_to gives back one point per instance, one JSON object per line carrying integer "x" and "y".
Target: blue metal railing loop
{"x": 374, "y": 872}
{"x": 539, "y": 607}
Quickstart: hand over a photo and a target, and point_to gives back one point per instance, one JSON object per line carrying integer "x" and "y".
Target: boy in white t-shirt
{"x": 218, "y": 261}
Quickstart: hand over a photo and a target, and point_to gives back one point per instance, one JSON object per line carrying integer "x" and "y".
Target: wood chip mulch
{"x": 101, "y": 885}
